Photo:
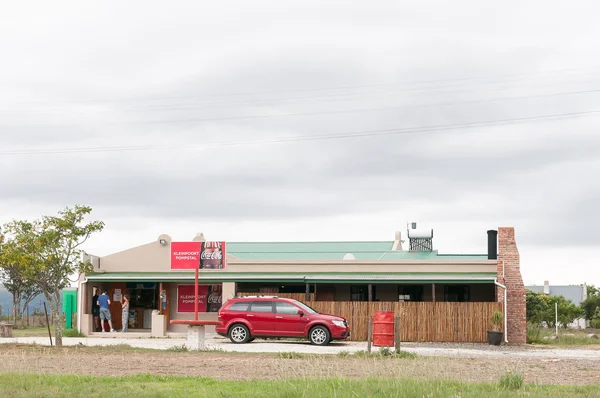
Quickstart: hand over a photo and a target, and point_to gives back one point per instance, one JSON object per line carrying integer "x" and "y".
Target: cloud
{"x": 113, "y": 75}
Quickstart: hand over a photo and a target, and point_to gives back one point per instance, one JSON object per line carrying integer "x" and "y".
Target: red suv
{"x": 243, "y": 319}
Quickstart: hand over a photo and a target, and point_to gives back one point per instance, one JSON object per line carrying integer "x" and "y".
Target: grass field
{"x": 566, "y": 337}
{"x": 33, "y": 332}
{"x": 20, "y": 385}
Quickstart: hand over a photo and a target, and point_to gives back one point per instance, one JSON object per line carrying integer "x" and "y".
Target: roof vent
{"x": 349, "y": 256}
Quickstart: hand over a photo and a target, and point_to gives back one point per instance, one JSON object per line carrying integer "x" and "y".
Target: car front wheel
{"x": 239, "y": 334}
{"x": 319, "y": 335}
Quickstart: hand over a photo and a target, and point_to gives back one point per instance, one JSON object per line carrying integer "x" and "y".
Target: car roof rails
{"x": 259, "y": 297}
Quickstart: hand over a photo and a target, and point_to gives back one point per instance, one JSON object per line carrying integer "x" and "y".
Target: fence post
{"x": 370, "y": 333}
{"x": 48, "y": 323}
{"x": 397, "y": 330}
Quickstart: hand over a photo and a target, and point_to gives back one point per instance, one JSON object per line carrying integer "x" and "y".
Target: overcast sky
{"x": 336, "y": 120}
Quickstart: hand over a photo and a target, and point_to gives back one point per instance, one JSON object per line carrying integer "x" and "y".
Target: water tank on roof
{"x": 420, "y": 233}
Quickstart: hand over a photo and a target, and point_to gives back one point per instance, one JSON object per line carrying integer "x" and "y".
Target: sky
{"x": 337, "y": 120}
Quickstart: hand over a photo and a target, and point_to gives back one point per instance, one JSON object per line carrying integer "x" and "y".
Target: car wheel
{"x": 319, "y": 335}
{"x": 239, "y": 334}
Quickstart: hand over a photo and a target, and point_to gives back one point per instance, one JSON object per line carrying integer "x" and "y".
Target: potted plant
{"x": 495, "y": 335}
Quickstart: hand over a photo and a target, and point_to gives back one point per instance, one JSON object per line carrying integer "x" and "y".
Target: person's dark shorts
{"x": 96, "y": 311}
{"x": 105, "y": 314}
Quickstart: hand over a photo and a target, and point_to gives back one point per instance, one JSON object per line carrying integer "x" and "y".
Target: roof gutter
{"x": 505, "y": 309}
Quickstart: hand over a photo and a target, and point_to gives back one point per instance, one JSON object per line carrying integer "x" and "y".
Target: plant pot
{"x": 494, "y": 337}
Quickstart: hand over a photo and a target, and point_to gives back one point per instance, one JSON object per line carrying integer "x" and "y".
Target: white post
{"x": 556, "y": 321}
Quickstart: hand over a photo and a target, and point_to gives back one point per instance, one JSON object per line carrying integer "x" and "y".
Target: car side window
{"x": 286, "y": 308}
{"x": 238, "y": 307}
{"x": 261, "y": 306}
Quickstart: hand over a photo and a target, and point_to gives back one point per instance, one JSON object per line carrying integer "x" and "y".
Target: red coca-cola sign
{"x": 201, "y": 255}
{"x": 186, "y": 295}
{"x": 210, "y": 298}
{"x": 212, "y": 255}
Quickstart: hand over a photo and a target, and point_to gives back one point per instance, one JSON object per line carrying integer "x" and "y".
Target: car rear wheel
{"x": 239, "y": 334}
{"x": 319, "y": 335}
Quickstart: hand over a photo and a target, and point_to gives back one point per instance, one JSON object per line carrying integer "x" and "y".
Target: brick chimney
{"x": 509, "y": 274}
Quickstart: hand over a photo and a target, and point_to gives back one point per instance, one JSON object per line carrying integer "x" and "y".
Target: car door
{"x": 287, "y": 321}
{"x": 262, "y": 318}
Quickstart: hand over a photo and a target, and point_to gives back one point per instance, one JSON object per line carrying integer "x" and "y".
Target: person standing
{"x": 104, "y": 303}
{"x": 96, "y": 310}
{"x": 125, "y": 313}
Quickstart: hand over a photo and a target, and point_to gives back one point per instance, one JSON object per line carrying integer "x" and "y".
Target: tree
{"x": 536, "y": 307}
{"x": 541, "y": 309}
{"x": 49, "y": 252}
{"x": 23, "y": 290}
{"x": 592, "y": 303}
{"x": 567, "y": 312}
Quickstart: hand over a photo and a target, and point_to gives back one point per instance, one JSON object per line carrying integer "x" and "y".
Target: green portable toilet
{"x": 69, "y": 305}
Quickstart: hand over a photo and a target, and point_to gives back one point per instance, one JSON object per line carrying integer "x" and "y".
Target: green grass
{"x": 29, "y": 385}
{"x": 566, "y": 337}
{"x": 33, "y": 332}
{"x": 512, "y": 381}
{"x": 383, "y": 352}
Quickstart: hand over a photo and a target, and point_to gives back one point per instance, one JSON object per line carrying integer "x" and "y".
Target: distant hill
{"x": 6, "y": 302}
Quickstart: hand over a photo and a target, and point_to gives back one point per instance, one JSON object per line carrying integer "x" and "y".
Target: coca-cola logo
{"x": 213, "y": 299}
{"x": 216, "y": 255}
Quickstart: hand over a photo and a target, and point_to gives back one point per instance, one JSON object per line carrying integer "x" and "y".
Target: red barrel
{"x": 383, "y": 329}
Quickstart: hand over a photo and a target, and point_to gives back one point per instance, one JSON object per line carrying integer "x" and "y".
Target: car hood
{"x": 330, "y": 317}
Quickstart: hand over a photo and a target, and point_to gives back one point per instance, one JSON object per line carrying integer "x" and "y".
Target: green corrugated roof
{"x": 376, "y": 250}
{"x": 303, "y": 247}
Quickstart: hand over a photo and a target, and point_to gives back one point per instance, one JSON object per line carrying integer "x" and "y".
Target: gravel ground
{"x": 119, "y": 361}
{"x": 273, "y": 346}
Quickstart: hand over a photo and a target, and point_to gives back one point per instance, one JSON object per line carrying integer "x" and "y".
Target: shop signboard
{"x": 185, "y": 298}
{"x": 209, "y": 298}
{"x": 198, "y": 255}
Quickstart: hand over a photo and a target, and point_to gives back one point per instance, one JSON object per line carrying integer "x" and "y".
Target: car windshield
{"x": 305, "y": 307}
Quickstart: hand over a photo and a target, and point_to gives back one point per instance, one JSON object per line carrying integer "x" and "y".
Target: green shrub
{"x": 72, "y": 333}
{"x": 534, "y": 334}
{"x": 511, "y": 381}
{"x": 595, "y": 321}
{"x": 497, "y": 320}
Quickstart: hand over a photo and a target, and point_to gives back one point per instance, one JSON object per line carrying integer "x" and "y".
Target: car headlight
{"x": 339, "y": 323}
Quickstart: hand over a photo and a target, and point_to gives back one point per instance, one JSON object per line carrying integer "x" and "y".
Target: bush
{"x": 72, "y": 333}
{"x": 534, "y": 333}
{"x": 595, "y": 322}
{"x": 511, "y": 381}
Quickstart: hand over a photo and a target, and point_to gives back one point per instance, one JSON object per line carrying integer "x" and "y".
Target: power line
{"x": 250, "y": 117}
{"x": 371, "y": 133}
{"x": 345, "y": 87}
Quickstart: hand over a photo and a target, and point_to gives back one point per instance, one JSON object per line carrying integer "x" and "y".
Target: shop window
{"x": 410, "y": 293}
{"x": 457, "y": 293}
{"x": 361, "y": 293}
{"x": 143, "y": 295}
